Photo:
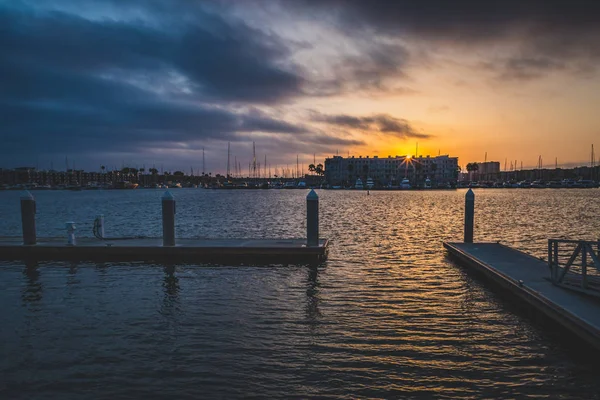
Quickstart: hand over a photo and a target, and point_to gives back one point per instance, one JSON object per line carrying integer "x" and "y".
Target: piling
{"x": 469, "y": 215}
{"x": 168, "y": 219}
{"x": 28, "y": 210}
{"x": 312, "y": 219}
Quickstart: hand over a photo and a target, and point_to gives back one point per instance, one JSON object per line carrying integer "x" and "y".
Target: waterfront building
{"x": 390, "y": 171}
{"x": 488, "y": 168}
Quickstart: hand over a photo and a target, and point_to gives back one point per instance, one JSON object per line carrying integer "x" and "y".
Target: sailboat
{"x": 427, "y": 183}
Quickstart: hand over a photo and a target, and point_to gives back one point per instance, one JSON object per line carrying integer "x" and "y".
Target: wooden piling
{"x": 469, "y": 216}
{"x": 312, "y": 219}
{"x": 28, "y": 210}
{"x": 168, "y": 219}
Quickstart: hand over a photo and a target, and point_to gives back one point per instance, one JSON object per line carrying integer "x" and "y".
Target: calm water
{"x": 387, "y": 316}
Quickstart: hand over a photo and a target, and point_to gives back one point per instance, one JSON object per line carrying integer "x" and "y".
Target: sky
{"x": 154, "y": 82}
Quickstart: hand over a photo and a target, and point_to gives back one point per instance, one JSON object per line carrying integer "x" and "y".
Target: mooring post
{"x": 312, "y": 219}
{"x": 28, "y": 210}
{"x": 469, "y": 215}
{"x": 168, "y": 219}
{"x": 70, "y": 226}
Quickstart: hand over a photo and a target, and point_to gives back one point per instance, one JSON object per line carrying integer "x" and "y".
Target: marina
{"x": 386, "y": 295}
{"x": 299, "y": 200}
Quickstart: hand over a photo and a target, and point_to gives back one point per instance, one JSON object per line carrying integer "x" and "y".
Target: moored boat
{"x": 359, "y": 184}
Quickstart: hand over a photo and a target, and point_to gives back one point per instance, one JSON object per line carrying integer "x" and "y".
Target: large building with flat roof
{"x": 389, "y": 171}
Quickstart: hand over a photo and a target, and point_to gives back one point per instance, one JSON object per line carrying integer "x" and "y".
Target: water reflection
{"x": 170, "y": 287}
{"x": 32, "y": 292}
{"x": 312, "y": 293}
{"x": 72, "y": 278}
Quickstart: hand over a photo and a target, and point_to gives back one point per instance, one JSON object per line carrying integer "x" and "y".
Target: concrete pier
{"x": 528, "y": 278}
{"x": 218, "y": 251}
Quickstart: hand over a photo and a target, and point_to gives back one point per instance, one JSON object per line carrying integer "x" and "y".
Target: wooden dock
{"x": 529, "y": 279}
{"x": 218, "y": 251}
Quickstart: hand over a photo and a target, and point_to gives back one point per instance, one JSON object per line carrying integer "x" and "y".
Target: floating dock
{"x": 218, "y": 251}
{"x": 528, "y": 278}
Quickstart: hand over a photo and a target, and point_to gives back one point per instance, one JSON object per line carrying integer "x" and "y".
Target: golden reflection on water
{"x": 388, "y": 315}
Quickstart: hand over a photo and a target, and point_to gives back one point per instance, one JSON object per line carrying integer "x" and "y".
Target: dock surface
{"x": 151, "y": 249}
{"x": 529, "y": 279}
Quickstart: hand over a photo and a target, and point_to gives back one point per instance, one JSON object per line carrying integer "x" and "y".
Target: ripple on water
{"x": 387, "y": 316}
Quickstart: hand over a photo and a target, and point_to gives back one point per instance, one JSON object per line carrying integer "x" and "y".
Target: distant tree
{"x": 472, "y": 167}
{"x": 311, "y": 167}
{"x": 142, "y": 170}
{"x": 126, "y": 170}
{"x": 178, "y": 173}
{"x": 133, "y": 171}
{"x": 153, "y": 171}
{"x": 319, "y": 169}
{"x": 103, "y": 168}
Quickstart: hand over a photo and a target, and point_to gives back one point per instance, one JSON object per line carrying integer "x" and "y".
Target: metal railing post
{"x": 556, "y": 262}
{"x": 584, "y": 266}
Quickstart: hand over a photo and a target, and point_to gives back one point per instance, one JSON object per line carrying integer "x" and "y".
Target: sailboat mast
{"x": 203, "y": 162}
{"x": 253, "y": 160}
{"x": 228, "y": 158}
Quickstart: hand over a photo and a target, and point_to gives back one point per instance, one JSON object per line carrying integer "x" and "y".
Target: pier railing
{"x": 575, "y": 264}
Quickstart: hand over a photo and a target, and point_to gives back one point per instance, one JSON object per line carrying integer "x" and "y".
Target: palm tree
{"x": 102, "y": 167}
{"x": 319, "y": 169}
{"x": 311, "y": 167}
{"x": 472, "y": 167}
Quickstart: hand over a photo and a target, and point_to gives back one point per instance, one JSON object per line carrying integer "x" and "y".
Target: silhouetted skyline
{"x": 151, "y": 82}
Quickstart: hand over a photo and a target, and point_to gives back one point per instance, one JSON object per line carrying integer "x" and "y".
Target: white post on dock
{"x": 28, "y": 210}
{"x": 312, "y": 219}
{"x": 70, "y": 226}
{"x": 469, "y": 215}
{"x": 168, "y": 219}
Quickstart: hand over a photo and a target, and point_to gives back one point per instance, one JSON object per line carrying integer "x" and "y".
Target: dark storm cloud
{"x": 556, "y": 33}
{"x": 69, "y": 84}
{"x": 464, "y": 20}
{"x": 224, "y": 62}
{"x": 382, "y": 123}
